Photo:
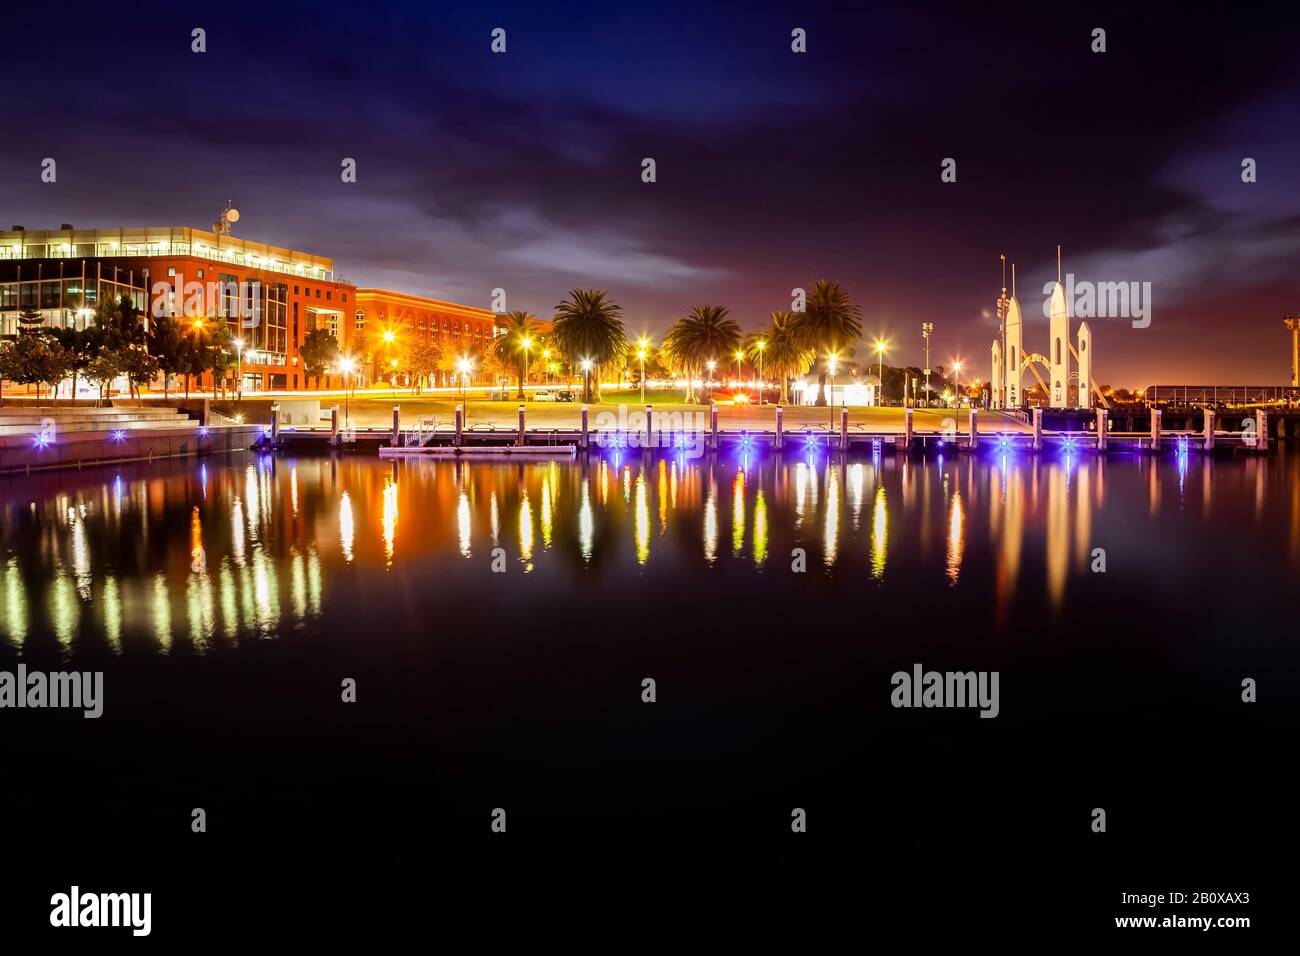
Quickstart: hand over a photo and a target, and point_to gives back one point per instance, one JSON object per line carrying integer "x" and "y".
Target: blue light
{"x": 118, "y": 435}
{"x": 203, "y": 430}
{"x": 42, "y": 441}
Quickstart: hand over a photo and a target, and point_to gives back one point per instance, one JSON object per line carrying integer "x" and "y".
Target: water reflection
{"x": 190, "y": 559}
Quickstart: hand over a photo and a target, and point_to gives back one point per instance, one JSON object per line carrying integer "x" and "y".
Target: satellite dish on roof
{"x": 232, "y": 215}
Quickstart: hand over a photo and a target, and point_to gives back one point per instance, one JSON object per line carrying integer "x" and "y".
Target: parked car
{"x": 543, "y": 395}
{"x": 564, "y": 396}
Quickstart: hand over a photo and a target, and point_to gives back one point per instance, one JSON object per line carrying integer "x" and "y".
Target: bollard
{"x": 974, "y": 431}
{"x": 1155, "y": 429}
{"x": 844, "y": 428}
{"x": 519, "y": 439}
{"x": 334, "y": 424}
{"x": 649, "y": 430}
{"x": 205, "y": 417}
{"x": 397, "y": 426}
{"x": 1103, "y": 429}
{"x": 779, "y": 431}
{"x": 907, "y": 428}
{"x": 1261, "y": 429}
{"x": 1209, "y": 429}
{"x": 275, "y": 422}
{"x": 713, "y": 426}
{"x": 582, "y": 437}
{"x": 1038, "y": 429}
{"x": 460, "y": 425}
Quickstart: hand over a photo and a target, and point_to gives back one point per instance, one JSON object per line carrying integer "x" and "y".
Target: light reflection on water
{"x": 193, "y": 557}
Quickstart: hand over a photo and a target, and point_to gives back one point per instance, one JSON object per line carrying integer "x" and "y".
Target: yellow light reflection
{"x": 113, "y": 614}
{"x": 760, "y": 528}
{"x": 389, "y": 520}
{"x": 956, "y": 538}
{"x": 831, "y": 536}
{"x": 346, "y": 528}
{"x": 738, "y": 512}
{"x": 642, "y": 520}
{"x": 879, "y": 534}
{"x": 526, "y": 531}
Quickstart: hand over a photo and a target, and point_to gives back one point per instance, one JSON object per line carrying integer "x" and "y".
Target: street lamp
{"x": 523, "y": 379}
{"x": 347, "y": 365}
{"x": 641, "y": 355}
{"x": 927, "y": 329}
{"x": 880, "y": 369}
{"x": 546, "y": 357}
{"x": 956, "y": 368}
{"x": 711, "y": 365}
{"x": 739, "y": 355}
{"x": 239, "y": 369}
{"x": 761, "y": 345}
{"x": 463, "y": 367}
{"x": 832, "y": 367}
{"x": 586, "y": 380}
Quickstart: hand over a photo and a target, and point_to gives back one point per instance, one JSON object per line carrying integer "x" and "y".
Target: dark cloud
{"x": 523, "y": 170}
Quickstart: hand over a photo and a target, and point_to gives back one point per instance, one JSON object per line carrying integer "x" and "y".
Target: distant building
{"x": 271, "y": 297}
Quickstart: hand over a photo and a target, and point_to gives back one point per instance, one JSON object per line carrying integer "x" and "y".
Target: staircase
{"x": 34, "y": 419}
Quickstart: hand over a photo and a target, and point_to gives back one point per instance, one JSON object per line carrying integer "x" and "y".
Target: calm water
{"x": 199, "y": 558}
{"x": 226, "y": 600}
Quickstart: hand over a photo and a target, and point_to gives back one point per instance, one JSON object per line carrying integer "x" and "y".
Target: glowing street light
{"x": 526, "y": 342}
{"x": 641, "y": 355}
{"x": 956, "y": 367}
{"x": 239, "y": 369}
{"x": 880, "y": 367}
{"x": 927, "y": 329}
{"x": 347, "y": 365}
{"x": 761, "y": 345}
{"x": 463, "y": 367}
{"x": 389, "y": 336}
{"x": 586, "y": 380}
{"x": 739, "y": 355}
{"x": 832, "y": 364}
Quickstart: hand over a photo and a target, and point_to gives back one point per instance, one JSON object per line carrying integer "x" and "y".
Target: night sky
{"x": 523, "y": 170}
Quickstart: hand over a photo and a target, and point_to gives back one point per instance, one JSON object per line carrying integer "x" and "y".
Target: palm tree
{"x": 830, "y": 323}
{"x": 519, "y": 337}
{"x": 588, "y": 332}
{"x": 784, "y": 353}
{"x": 704, "y": 334}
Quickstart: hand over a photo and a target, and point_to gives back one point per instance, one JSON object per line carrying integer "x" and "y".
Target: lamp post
{"x": 239, "y": 369}
{"x": 711, "y": 365}
{"x": 586, "y": 380}
{"x": 833, "y": 367}
{"x": 761, "y": 345}
{"x": 347, "y": 365}
{"x": 463, "y": 367}
{"x": 927, "y": 329}
{"x": 739, "y": 355}
{"x": 956, "y": 373}
{"x": 641, "y": 355}
{"x": 546, "y": 358}
{"x": 880, "y": 371}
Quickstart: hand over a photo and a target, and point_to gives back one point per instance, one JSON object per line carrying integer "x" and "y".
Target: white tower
{"x": 1058, "y": 343}
{"x": 996, "y": 381}
{"x": 1085, "y": 366}
{"x": 1015, "y": 355}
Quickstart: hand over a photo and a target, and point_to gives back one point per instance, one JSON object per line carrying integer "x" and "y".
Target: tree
{"x": 221, "y": 356}
{"x": 422, "y": 360}
{"x": 102, "y": 369}
{"x": 588, "y": 329}
{"x": 520, "y": 336}
{"x": 8, "y": 367}
{"x": 79, "y": 350}
{"x": 705, "y": 334}
{"x": 138, "y": 366}
{"x": 167, "y": 346}
{"x": 319, "y": 351}
{"x": 830, "y": 324}
{"x": 784, "y": 353}
{"x": 38, "y": 360}
{"x": 29, "y": 318}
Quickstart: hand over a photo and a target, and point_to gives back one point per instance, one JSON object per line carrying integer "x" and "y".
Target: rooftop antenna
{"x": 1003, "y": 257}
{"x": 229, "y": 216}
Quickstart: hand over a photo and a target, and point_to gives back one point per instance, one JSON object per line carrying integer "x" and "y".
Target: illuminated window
{"x": 360, "y": 320}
